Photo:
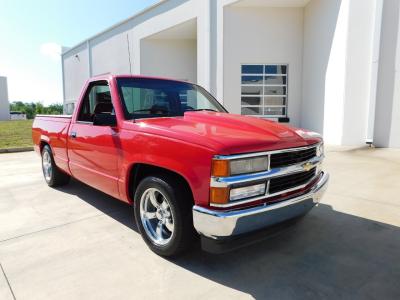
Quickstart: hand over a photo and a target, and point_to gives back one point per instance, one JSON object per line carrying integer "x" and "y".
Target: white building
{"x": 327, "y": 65}
{"x": 4, "y": 105}
{"x": 17, "y": 115}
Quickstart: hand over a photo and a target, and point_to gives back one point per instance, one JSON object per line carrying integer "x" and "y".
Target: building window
{"x": 264, "y": 90}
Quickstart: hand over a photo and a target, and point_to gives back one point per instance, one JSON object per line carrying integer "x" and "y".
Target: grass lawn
{"x": 16, "y": 133}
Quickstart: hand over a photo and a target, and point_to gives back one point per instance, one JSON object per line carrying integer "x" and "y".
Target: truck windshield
{"x": 150, "y": 98}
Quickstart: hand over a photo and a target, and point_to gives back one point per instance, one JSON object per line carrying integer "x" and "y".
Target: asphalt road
{"x": 78, "y": 243}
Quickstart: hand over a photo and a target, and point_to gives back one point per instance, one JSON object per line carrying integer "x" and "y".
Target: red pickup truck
{"x": 187, "y": 166}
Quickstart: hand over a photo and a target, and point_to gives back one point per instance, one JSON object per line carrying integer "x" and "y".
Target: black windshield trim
{"x": 129, "y": 116}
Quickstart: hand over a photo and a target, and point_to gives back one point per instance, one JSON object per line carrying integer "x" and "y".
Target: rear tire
{"x": 52, "y": 174}
{"x": 163, "y": 213}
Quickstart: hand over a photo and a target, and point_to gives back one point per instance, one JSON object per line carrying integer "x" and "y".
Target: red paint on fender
{"x": 103, "y": 157}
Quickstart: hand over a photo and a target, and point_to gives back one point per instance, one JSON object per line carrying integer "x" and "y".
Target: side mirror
{"x": 105, "y": 120}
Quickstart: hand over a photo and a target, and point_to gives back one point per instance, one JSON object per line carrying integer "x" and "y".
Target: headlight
{"x": 247, "y": 191}
{"x": 224, "y": 168}
{"x": 249, "y": 165}
{"x": 320, "y": 150}
{"x": 223, "y": 195}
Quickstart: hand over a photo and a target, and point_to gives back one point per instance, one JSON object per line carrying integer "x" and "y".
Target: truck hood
{"x": 228, "y": 133}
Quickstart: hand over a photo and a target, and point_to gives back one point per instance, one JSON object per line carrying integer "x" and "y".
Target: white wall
{"x": 320, "y": 19}
{"x": 18, "y": 117}
{"x": 338, "y": 59}
{"x": 387, "y": 114}
{"x": 4, "y": 104}
{"x": 330, "y": 46}
{"x": 359, "y": 63}
{"x": 263, "y": 35}
{"x": 395, "y": 126}
{"x": 76, "y": 72}
{"x": 110, "y": 55}
{"x": 108, "y": 51}
{"x": 186, "y": 11}
{"x": 170, "y": 58}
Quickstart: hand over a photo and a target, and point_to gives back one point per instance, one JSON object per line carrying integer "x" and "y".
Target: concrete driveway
{"x": 76, "y": 242}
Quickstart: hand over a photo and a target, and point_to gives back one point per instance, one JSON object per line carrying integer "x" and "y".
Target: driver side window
{"x": 97, "y": 100}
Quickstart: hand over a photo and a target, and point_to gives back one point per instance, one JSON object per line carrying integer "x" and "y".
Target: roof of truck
{"x": 111, "y": 76}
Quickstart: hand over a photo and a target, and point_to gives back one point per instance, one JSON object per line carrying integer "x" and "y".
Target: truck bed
{"x": 53, "y": 129}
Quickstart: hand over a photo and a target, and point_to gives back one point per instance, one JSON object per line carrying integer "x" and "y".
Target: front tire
{"x": 163, "y": 214}
{"x": 52, "y": 174}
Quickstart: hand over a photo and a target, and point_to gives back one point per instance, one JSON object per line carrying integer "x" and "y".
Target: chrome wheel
{"x": 47, "y": 166}
{"x": 156, "y": 216}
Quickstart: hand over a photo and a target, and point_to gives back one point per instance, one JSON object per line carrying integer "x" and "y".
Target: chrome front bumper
{"x": 216, "y": 224}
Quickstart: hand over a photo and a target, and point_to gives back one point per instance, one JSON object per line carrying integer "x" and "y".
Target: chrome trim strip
{"x": 54, "y": 116}
{"x": 276, "y": 172}
{"x": 248, "y": 155}
{"x": 84, "y": 122}
{"x": 215, "y": 224}
{"x": 265, "y": 196}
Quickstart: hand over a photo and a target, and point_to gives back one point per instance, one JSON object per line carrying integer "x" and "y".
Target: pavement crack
{"x": 8, "y": 282}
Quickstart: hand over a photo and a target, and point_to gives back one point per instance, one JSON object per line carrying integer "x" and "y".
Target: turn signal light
{"x": 219, "y": 195}
{"x": 220, "y": 168}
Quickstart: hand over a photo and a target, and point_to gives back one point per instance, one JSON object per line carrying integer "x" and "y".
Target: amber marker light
{"x": 219, "y": 195}
{"x": 220, "y": 168}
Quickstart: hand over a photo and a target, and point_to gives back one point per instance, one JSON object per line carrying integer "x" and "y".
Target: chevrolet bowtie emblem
{"x": 308, "y": 166}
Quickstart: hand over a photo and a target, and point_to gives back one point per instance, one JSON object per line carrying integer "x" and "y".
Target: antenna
{"x": 129, "y": 54}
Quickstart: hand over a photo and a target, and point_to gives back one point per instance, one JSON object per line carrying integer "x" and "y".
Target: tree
{"x": 40, "y": 109}
{"x": 32, "y": 109}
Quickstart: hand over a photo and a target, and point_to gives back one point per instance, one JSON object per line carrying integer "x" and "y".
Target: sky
{"x": 33, "y": 32}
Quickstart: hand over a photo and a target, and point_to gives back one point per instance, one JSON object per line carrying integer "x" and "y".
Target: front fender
{"x": 190, "y": 161}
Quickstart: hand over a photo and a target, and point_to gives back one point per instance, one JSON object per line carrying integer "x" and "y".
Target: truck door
{"x": 93, "y": 148}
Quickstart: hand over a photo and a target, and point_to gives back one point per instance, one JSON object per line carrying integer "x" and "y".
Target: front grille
{"x": 293, "y": 157}
{"x": 280, "y": 184}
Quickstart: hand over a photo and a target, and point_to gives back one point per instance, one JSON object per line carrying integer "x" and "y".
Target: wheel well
{"x": 141, "y": 171}
{"x": 42, "y": 144}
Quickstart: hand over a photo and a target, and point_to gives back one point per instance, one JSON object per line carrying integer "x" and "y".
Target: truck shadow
{"x": 118, "y": 210}
{"x": 328, "y": 254}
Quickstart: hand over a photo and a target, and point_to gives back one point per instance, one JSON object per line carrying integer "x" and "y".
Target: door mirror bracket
{"x": 104, "y": 120}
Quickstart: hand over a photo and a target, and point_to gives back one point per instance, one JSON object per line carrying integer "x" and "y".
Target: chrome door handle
{"x": 73, "y": 134}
